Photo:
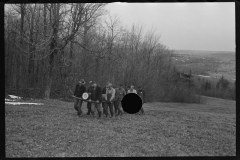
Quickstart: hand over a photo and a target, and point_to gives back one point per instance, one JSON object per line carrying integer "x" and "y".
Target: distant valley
{"x": 207, "y": 64}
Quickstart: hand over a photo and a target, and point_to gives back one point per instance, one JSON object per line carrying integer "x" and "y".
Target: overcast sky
{"x": 194, "y": 26}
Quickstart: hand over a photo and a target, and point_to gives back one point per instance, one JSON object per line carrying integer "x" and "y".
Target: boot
{"x": 99, "y": 114}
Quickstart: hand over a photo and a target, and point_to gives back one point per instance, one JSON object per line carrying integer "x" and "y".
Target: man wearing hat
{"x": 120, "y": 93}
{"x": 89, "y": 90}
{"x": 96, "y": 95}
{"x": 104, "y": 99}
{"x": 141, "y": 93}
{"x": 110, "y": 95}
{"x": 132, "y": 90}
{"x": 79, "y": 90}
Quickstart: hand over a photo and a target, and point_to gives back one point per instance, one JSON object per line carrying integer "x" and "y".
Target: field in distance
{"x": 209, "y": 63}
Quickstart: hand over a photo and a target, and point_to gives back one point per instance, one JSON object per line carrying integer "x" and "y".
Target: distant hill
{"x": 224, "y": 56}
{"x": 208, "y": 63}
{"x": 221, "y": 55}
{"x": 194, "y": 52}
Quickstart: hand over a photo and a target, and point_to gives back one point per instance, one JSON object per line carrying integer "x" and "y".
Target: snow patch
{"x": 10, "y": 100}
{"x": 19, "y": 103}
{"x": 203, "y": 76}
{"x": 15, "y": 97}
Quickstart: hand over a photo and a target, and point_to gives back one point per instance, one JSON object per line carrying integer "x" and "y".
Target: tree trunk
{"x": 49, "y": 78}
{"x": 53, "y": 50}
{"x": 31, "y": 52}
{"x": 19, "y": 56}
{"x": 42, "y": 76}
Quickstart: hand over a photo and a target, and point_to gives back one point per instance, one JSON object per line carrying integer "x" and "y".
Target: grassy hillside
{"x": 167, "y": 129}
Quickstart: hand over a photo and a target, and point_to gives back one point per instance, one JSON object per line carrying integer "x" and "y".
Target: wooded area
{"x": 49, "y": 47}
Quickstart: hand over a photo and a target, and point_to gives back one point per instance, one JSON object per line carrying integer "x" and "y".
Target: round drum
{"x": 85, "y": 95}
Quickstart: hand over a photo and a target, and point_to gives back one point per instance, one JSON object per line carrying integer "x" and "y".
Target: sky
{"x": 191, "y": 26}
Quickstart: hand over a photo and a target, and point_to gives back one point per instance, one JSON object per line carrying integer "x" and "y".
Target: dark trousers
{"x": 95, "y": 106}
{"x": 106, "y": 106}
{"x": 117, "y": 107}
{"x": 89, "y": 108}
{"x": 78, "y": 106}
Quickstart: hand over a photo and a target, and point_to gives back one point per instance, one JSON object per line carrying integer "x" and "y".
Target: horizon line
{"x": 201, "y": 50}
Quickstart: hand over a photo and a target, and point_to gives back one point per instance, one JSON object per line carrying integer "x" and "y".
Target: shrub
{"x": 182, "y": 94}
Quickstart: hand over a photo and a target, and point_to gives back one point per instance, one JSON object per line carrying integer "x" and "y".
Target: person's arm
{"x": 124, "y": 92}
{"x": 135, "y": 91}
{"x": 106, "y": 90}
{"x": 113, "y": 94}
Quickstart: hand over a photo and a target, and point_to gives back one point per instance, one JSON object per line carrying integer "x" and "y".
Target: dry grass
{"x": 167, "y": 129}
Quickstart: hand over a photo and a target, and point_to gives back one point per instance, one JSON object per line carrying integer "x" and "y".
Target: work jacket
{"x": 96, "y": 94}
{"x": 120, "y": 93}
{"x": 79, "y": 90}
{"x": 110, "y": 94}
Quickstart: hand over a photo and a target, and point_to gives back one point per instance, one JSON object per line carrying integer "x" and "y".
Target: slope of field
{"x": 167, "y": 129}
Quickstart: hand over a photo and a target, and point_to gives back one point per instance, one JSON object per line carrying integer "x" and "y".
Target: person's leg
{"x": 76, "y": 101}
{"x": 142, "y": 109}
{"x": 111, "y": 108}
{"x": 119, "y": 108}
{"x": 106, "y": 105}
{"x": 89, "y": 108}
{"x": 115, "y": 104}
{"x": 93, "y": 109}
{"x": 103, "y": 108}
{"x": 98, "y": 105}
{"x": 79, "y": 107}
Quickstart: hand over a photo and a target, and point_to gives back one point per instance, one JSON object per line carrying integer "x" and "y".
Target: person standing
{"x": 132, "y": 90}
{"x": 141, "y": 94}
{"x": 110, "y": 95}
{"x": 89, "y": 90}
{"x": 104, "y": 99}
{"x": 79, "y": 90}
{"x": 120, "y": 93}
{"x": 96, "y": 96}
{"x": 115, "y": 102}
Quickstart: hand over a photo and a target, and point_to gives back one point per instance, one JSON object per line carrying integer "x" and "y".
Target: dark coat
{"x": 141, "y": 94}
{"x": 79, "y": 90}
{"x": 120, "y": 93}
{"x": 89, "y": 90}
{"x": 104, "y": 89}
{"x": 96, "y": 94}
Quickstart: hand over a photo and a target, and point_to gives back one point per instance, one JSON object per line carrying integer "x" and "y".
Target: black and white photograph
{"x": 120, "y": 79}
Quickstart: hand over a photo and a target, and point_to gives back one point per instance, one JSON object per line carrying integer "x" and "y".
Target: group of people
{"x": 108, "y": 97}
